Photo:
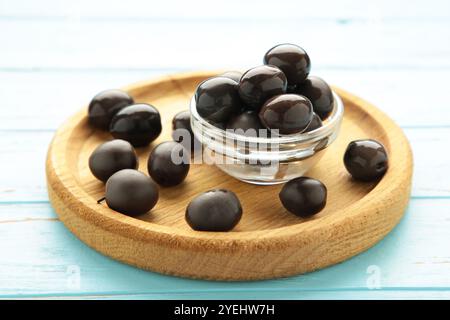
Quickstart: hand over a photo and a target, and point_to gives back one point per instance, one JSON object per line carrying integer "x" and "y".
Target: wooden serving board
{"x": 269, "y": 242}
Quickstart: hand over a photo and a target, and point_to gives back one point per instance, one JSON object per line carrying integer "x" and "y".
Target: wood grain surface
{"x": 269, "y": 242}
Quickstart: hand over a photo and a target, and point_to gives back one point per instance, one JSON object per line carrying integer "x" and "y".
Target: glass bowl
{"x": 264, "y": 160}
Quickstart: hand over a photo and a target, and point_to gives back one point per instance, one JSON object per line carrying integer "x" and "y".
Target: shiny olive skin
{"x": 182, "y": 120}
{"x": 138, "y": 124}
{"x": 219, "y": 125}
{"x": 182, "y": 130}
{"x": 304, "y": 196}
{"x": 217, "y": 99}
{"x": 315, "y": 123}
{"x": 131, "y": 192}
{"x": 288, "y": 113}
{"x": 320, "y": 95}
{"x": 292, "y": 60}
{"x": 112, "y": 156}
{"x": 168, "y": 164}
{"x": 259, "y": 84}
{"x": 233, "y": 75}
{"x": 366, "y": 160}
{"x": 214, "y": 210}
{"x": 247, "y": 123}
{"x": 104, "y": 106}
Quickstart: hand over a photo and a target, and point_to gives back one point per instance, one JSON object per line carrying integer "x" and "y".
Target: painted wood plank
{"x": 26, "y": 212}
{"x": 27, "y": 150}
{"x": 414, "y": 257}
{"x": 285, "y": 295}
{"x": 231, "y": 9}
{"x": 43, "y": 100}
{"x": 73, "y": 44}
{"x": 307, "y": 295}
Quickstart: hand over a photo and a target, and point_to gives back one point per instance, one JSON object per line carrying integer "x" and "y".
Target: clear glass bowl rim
{"x": 329, "y": 125}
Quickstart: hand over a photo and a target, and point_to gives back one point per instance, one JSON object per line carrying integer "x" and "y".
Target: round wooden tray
{"x": 268, "y": 242}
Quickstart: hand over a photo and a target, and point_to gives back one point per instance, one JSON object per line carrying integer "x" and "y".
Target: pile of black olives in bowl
{"x": 279, "y": 95}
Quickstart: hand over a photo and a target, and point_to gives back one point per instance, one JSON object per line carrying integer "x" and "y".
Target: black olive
{"x": 182, "y": 120}
{"x": 315, "y": 123}
{"x": 139, "y": 124}
{"x": 182, "y": 131}
{"x": 214, "y": 210}
{"x": 105, "y": 105}
{"x": 292, "y": 60}
{"x": 288, "y": 113}
{"x": 233, "y": 75}
{"x": 320, "y": 95}
{"x": 304, "y": 196}
{"x": 261, "y": 83}
{"x": 366, "y": 160}
{"x": 247, "y": 123}
{"x": 168, "y": 164}
{"x": 112, "y": 156}
{"x": 217, "y": 99}
{"x": 131, "y": 192}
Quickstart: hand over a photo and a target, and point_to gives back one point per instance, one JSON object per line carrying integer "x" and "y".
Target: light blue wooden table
{"x": 55, "y": 55}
